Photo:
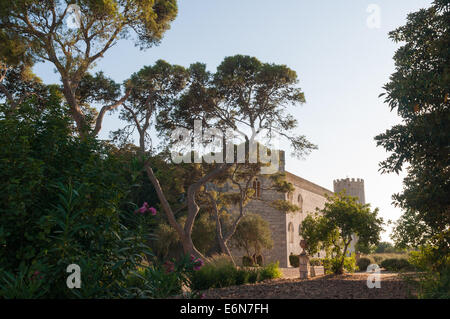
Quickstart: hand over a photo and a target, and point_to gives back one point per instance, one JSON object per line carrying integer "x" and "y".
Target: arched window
{"x": 300, "y": 229}
{"x": 291, "y": 233}
{"x": 257, "y": 187}
{"x": 300, "y": 203}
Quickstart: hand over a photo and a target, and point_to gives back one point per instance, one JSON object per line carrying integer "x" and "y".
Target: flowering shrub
{"x": 162, "y": 280}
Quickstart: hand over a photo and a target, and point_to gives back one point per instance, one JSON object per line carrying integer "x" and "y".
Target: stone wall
{"x": 311, "y": 196}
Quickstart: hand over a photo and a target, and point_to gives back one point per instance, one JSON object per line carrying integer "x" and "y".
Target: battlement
{"x": 352, "y": 186}
{"x": 348, "y": 180}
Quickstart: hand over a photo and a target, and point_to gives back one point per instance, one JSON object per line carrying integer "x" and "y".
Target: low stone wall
{"x": 316, "y": 271}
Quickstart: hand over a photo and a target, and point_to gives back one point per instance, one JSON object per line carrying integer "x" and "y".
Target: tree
{"x": 253, "y": 235}
{"x": 385, "y": 247}
{"x": 418, "y": 90}
{"x": 37, "y": 31}
{"x": 333, "y": 227}
{"x": 243, "y": 92}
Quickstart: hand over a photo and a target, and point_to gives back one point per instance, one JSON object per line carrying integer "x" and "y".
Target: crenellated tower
{"x": 353, "y": 187}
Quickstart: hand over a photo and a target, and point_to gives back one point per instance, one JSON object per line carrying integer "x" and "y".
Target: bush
{"x": 162, "y": 280}
{"x": 270, "y": 271}
{"x": 434, "y": 276}
{"x": 363, "y": 263}
{"x": 219, "y": 271}
{"x": 247, "y": 261}
{"x": 259, "y": 260}
{"x": 64, "y": 200}
{"x": 331, "y": 265}
{"x": 293, "y": 260}
{"x": 315, "y": 262}
{"x": 396, "y": 264}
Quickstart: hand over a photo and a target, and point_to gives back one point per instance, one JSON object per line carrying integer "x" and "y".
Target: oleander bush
{"x": 66, "y": 200}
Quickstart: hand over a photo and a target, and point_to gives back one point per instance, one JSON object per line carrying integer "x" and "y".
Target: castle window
{"x": 300, "y": 229}
{"x": 300, "y": 203}
{"x": 257, "y": 188}
{"x": 291, "y": 233}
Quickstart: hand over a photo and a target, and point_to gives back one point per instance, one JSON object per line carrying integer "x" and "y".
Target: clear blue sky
{"x": 342, "y": 65}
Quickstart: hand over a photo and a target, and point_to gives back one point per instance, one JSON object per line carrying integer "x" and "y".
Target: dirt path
{"x": 347, "y": 286}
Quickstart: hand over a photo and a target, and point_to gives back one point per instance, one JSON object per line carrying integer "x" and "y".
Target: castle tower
{"x": 353, "y": 187}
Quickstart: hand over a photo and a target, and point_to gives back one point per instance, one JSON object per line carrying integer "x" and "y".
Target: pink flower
{"x": 169, "y": 266}
{"x": 202, "y": 296}
{"x": 145, "y": 208}
{"x": 198, "y": 263}
{"x": 36, "y": 275}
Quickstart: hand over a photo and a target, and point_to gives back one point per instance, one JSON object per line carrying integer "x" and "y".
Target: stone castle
{"x": 285, "y": 228}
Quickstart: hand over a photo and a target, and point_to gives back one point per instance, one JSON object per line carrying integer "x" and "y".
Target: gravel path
{"x": 347, "y": 286}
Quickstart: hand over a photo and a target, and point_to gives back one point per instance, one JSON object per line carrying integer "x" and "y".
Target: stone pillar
{"x": 303, "y": 265}
{"x": 303, "y": 262}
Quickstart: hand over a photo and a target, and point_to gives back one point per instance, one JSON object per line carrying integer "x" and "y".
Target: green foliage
{"x": 85, "y": 218}
{"x": 335, "y": 265}
{"x": 253, "y": 235}
{"x": 24, "y": 285}
{"x": 418, "y": 91}
{"x": 293, "y": 260}
{"x": 386, "y": 247}
{"x": 396, "y": 264}
{"x": 27, "y": 36}
{"x": 284, "y": 206}
{"x": 162, "y": 280}
{"x": 271, "y": 271}
{"x": 219, "y": 271}
{"x": 315, "y": 261}
{"x": 434, "y": 272}
{"x": 332, "y": 230}
{"x": 364, "y": 262}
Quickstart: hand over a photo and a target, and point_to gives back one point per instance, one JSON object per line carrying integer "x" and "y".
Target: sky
{"x": 342, "y": 57}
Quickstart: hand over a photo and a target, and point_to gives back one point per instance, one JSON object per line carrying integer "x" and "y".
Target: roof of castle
{"x": 307, "y": 185}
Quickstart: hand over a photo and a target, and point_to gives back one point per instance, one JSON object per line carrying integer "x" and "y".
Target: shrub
{"x": 433, "y": 264}
{"x": 259, "y": 260}
{"x": 315, "y": 262}
{"x": 363, "y": 263}
{"x": 331, "y": 265}
{"x": 293, "y": 260}
{"x": 219, "y": 271}
{"x": 396, "y": 264}
{"x": 270, "y": 271}
{"x": 253, "y": 275}
{"x": 247, "y": 261}
{"x": 64, "y": 200}
{"x": 162, "y": 280}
